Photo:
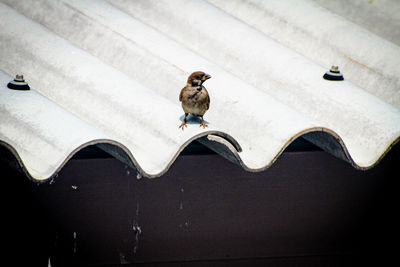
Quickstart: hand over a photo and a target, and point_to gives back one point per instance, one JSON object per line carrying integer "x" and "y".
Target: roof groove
{"x": 307, "y": 82}
{"x": 75, "y": 105}
{"x": 311, "y": 35}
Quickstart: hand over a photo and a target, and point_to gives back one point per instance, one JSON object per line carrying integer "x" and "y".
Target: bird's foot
{"x": 202, "y": 124}
{"x": 183, "y": 125}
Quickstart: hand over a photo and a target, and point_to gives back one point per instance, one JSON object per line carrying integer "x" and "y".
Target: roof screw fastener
{"x": 18, "y": 83}
{"x": 333, "y": 74}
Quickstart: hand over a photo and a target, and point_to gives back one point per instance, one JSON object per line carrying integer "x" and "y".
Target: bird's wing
{"x": 207, "y": 100}
{"x": 181, "y": 94}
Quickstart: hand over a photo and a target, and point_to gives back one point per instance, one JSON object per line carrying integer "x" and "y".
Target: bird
{"x": 195, "y": 98}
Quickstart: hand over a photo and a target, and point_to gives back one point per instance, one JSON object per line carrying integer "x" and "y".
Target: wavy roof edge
{"x": 219, "y": 142}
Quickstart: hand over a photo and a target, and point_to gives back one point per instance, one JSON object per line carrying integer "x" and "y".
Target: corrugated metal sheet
{"x": 110, "y": 72}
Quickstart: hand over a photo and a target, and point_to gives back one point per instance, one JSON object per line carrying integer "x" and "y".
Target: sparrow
{"x": 194, "y": 97}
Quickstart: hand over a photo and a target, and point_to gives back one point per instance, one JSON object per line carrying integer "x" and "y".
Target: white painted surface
{"x": 319, "y": 34}
{"x": 117, "y": 67}
{"x": 279, "y": 71}
{"x": 378, "y": 16}
{"x": 42, "y": 133}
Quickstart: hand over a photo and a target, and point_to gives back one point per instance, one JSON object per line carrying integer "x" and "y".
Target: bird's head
{"x": 197, "y": 78}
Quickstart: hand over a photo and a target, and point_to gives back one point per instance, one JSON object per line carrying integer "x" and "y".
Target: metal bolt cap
{"x": 18, "y": 83}
{"x": 19, "y": 78}
{"x": 333, "y": 74}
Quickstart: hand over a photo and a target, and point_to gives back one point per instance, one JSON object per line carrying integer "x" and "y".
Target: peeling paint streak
{"x": 137, "y": 229}
{"x": 75, "y": 242}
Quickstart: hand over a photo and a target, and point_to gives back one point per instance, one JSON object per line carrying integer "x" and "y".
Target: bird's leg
{"x": 202, "y": 123}
{"x": 183, "y": 122}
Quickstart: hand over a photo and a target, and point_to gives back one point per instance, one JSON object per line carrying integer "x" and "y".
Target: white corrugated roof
{"x": 110, "y": 72}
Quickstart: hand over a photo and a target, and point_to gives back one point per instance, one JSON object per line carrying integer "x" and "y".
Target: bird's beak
{"x": 207, "y": 76}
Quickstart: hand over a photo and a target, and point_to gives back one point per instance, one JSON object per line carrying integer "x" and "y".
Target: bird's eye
{"x": 198, "y": 77}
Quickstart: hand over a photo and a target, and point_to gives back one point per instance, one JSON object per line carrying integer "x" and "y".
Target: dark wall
{"x": 308, "y": 209}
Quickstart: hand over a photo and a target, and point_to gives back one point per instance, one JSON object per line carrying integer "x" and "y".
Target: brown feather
{"x": 181, "y": 94}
